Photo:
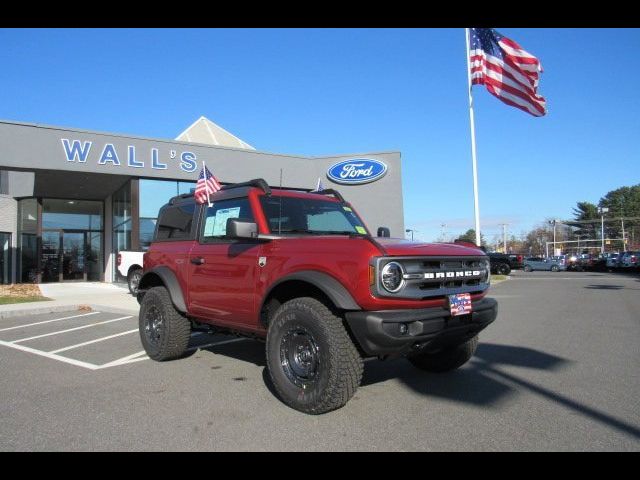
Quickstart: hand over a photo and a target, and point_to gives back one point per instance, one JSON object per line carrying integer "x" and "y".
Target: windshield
{"x": 310, "y": 216}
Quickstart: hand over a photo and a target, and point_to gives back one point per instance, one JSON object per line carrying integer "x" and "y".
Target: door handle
{"x": 197, "y": 260}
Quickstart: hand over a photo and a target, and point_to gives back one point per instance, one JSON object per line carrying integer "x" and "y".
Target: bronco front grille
{"x": 430, "y": 277}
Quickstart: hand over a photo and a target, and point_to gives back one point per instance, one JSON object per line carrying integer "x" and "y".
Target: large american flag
{"x": 509, "y": 72}
{"x": 207, "y": 184}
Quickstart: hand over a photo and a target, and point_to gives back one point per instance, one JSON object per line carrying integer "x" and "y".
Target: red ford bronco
{"x": 301, "y": 271}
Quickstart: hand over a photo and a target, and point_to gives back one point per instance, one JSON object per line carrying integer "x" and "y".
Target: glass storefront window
{"x": 28, "y": 215}
{"x": 121, "y": 223}
{"x": 71, "y": 240}
{"x": 147, "y": 228}
{"x": 28, "y": 258}
{"x": 27, "y": 241}
{"x": 186, "y": 187}
{"x": 5, "y": 258}
{"x": 71, "y": 214}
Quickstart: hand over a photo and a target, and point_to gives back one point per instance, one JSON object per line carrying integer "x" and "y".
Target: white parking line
{"x": 70, "y": 329}
{"x": 93, "y": 341}
{"x": 127, "y": 359}
{"x": 48, "y": 321}
{"x": 133, "y": 358}
{"x": 51, "y": 356}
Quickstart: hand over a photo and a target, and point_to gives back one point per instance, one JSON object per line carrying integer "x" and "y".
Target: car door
{"x": 222, "y": 270}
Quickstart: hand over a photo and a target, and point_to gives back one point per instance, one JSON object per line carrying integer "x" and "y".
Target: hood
{"x": 402, "y": 247}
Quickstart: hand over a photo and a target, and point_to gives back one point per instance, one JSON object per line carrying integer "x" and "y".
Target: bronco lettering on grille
{"x": 462, "y": 274}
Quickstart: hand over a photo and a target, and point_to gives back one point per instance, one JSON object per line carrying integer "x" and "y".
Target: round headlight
{"x": 391, "y": 277}
{"x": 485, "y": 277}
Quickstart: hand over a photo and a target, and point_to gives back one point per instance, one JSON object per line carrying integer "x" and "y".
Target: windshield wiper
{"x": 297, "y": 230}
{"x": 337, "y": 232}
{"x": 323, "y": 232}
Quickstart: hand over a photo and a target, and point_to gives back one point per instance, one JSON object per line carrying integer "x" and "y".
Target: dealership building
{"x": 70, "y": 199}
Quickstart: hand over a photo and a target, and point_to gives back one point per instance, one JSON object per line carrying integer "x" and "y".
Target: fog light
{"x": 403, "y": 329}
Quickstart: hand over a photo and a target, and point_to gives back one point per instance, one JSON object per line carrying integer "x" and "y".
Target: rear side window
{"x": 175, "y": 222}
{"x": 215, "y": 222}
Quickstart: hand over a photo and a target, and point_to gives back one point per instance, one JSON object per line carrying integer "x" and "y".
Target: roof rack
{"x": 256, "y": 182}
{"x": 326, "y": 191}
{"x": 331, "y": 191}
{"x": 173, "y": 200}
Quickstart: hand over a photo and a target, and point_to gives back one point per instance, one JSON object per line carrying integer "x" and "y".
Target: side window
{"x": 215, "y": 222}
{"x": 175, "y": 222}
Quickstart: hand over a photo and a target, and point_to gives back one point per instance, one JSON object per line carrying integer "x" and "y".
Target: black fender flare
{"x": 331, "y": 287}
{"x": 170, "y": 282}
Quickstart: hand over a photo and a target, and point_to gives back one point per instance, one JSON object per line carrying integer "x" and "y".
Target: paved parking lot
{"x": 558, "y": 370}
{"x": 92, "y": 340}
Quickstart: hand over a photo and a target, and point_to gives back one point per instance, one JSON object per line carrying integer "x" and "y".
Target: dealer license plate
{"x": 460, "y": 304}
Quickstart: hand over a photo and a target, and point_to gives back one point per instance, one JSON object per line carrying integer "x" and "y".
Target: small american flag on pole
{"x": 509, "y": 72}
{"x": 207, "y": 184}
{"x": 319, "y": 186}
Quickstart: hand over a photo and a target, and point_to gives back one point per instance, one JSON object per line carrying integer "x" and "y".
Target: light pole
{"x": 410, "y": 230}
{"x": 602, "y": 211}
{"x": 553, "y": 222}
{"x": 444, "y": 231}
{"x": 504, "y": 236}
{"x": 624, "y": 241}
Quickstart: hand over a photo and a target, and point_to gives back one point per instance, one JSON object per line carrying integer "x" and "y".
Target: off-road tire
{"x": 133, "y": 280}
{"x": 446, "y": 359}
{"x": 172, "y": 339}
{"x": 338, "y": 365}
{"x": 527, "y": 268}
{"x": 503, "y": 269}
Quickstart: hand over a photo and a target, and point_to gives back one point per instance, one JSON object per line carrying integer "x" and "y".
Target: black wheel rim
{"x": 153, "y": 325}
{"x": 135, "y": 281}
{"x": 299, "y": 357}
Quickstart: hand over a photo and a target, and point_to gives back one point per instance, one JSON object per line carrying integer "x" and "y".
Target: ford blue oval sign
{"x": 357, "y": 171}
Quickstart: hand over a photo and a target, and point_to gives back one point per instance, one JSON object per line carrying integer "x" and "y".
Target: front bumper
{"x": 378, "y": 332}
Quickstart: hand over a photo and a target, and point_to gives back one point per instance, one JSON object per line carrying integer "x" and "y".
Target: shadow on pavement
{"x": 479, "y": 382}
{"x": 605, "y": 287}
{"x": 470, "y": 385}
{"x": 482, "y": 382}
{"x": 248, "y": 350}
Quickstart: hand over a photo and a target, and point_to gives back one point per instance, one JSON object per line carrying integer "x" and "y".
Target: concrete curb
{"x": 40, "y": 309}
{"x": 110, "y": 309}
{"x": 21, "y": 312}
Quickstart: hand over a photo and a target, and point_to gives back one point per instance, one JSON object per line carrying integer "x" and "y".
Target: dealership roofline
{"x": 164, "y": 140}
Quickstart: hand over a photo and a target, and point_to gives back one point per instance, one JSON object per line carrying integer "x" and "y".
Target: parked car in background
{"x": 612, "y": 261}
{"x": 579, "y": 262}
{"x": 538, "y": 263}
{"x": 629, "y": 260}
{"x": 130, "y": 267}
{"x": 599, "y": 262}
{"x": 515, "y": 260}
{"x": 500, "y": 263}
{"x": 586, "y": 261}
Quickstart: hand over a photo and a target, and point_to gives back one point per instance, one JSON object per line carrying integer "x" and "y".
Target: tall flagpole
{"x": 476, "y": 207}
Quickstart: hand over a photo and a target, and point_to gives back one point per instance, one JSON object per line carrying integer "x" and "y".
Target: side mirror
{"x": 384, "y": 232}
{"x": 241, "y": 228}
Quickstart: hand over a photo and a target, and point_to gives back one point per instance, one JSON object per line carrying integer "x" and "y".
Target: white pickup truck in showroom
{"x": 130, "y": 266}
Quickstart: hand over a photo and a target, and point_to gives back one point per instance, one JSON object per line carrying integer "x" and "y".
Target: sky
{"x": 334, "y": 91}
